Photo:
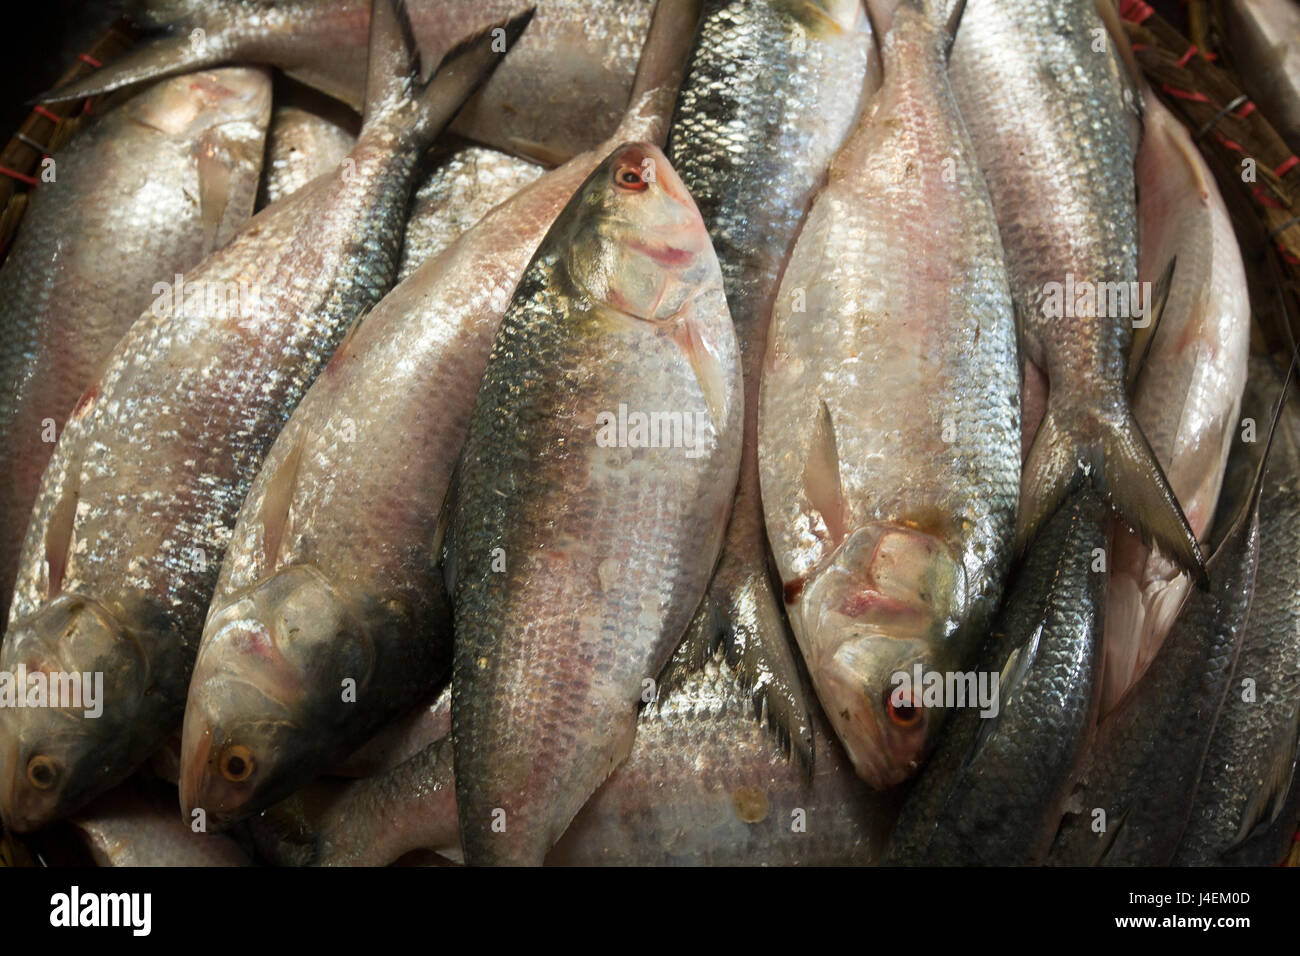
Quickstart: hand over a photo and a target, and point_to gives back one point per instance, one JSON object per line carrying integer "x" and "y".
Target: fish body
{"x": 994, "y": 791}
{"x": 1264, "y": 38}
{"x": 143, "y": 192}
{"x": 309, "y": 136}
{"x": 355, "y": 485}
{"x": 1048, "y": 107}
{"x": 1189, "y": 389}
{"x": 136, "y": 508}
{"x": 772, "y": 89}
{"x": 134, "y": 826}
{"x": 563, "y": 91}
{"x": 1250, "y": 762}
{"x": 889, "y": 413}
{"x": 578, "y": 548}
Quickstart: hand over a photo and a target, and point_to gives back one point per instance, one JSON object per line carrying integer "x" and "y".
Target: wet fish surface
{"x": 889, "y": 415}
{"x": 143, "y": 192}
{"x": 310, "y": 135}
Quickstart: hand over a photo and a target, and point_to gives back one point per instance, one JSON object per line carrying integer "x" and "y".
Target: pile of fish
{"x": 631, "y": 432}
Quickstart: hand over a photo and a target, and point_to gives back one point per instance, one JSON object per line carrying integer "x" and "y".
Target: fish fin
{"x": 821, "y": 476}
{"x": 1267, "y": 802}
{"x": 1111, "y": 837}
{"x": 214, "y": 189}
{"x": 275, "y": 510}
{"x": 1012, "y": 676}
{"x": 1114, "y": 23}
{"x": 1121, "y": 467}
{"x": 59, "y": 531}
{"x": 155, "y": 59}
{"x": 393, "y": 74}
{"x": 1146, "y": 337}
{"x": 952, "y": 26}
{"x": 443, "y": 546}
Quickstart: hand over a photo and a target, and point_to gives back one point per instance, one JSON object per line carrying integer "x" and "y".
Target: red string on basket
{"x": 1135, "y": 10}
{"x": 52, "y": 117}
{"x": 21, "y": 177}
{"x": 87, "y": 58}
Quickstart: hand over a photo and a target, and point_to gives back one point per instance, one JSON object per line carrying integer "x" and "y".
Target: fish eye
{"x": 236, "y": 763}
{"x": 42, "y": 772}
{"x": 905, "y": 715}
{"x": 630, "y": 178}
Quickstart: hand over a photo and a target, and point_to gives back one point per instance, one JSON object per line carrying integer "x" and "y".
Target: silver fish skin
{"x": 1264, "y": 38}
{"x": 310, "y": 135}
{"x": 705, "y": 784}
{"x": 772, "y": 89}
{"x": 994, "y": 791}
{"x": 145, "y": 191}
{"x": 1250, "y": 763}
{"x": 136, "y": 508}
{"x": 578, "y": 552}
{"x": 563, "y": 91}
{"x": 464, "y": 183}
{"x": 133, "y": 826}
{"x": 1145, "y": 763}
{"x": 889, "y": 414}
{"x": 1189, "y": 390}
{"x": 1044, "y": 97}
{"x": 353, "y": 487}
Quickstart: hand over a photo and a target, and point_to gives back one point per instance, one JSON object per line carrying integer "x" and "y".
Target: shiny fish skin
{"x": 562, "y": 91}
{"x": 1189, "y": 390}
{"x": 143, "y": 192}
{"x": 310, "y": 135}
{"x": 892, "y": 541}
{"x": 1053, "y": 131}
{"x": 137, "y": 505}
{"x": 1264, "y": 37}
{"x": 132, "y": 826}
{"x": 772, "y": 89}
{"x": 463, "y": 185}
{"x": 357, "y": 479}
{"x": 1147, "y": 758}
{"x": 993, "y": 792}
{"x": 1250, "y": 762}
{"x": 607, "y": 550}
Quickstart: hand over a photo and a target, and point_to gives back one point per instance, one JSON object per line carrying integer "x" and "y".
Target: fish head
{"x": 637, "y": 242}
{"x": 187, "y": 107}
{"x": 279, "y": 666}
{"x": 74, "y": 742}
{"x": 887, "y": 602}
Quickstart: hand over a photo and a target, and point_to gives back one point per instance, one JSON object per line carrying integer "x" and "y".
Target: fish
{"x": 771, "y": 91}
{"x": 136, "y": 507}
{"x": 1189, "y": 390}
{"x": 705, "y": 784}
{"x": 464, "y": 183}
{"x": 144, "y": 191}
{"x": 562, "y": 91}
{"x": 354, "y": 487}
{"x": 1053, "y": 124}
{"x": 310, "y": 135}
{"x": 889, "y": 428}
{"x": 136, "y": 825}
{"x": 1264, "y": 43}
{"x": 1251, "y": 759}
{"x": 580, "y": 537}
{"x": 994, "y": 791}
{"x": 1135, "y": 790}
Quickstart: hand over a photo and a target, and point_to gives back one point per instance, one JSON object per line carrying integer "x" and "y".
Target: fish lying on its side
{"x": 1264, "y": 39}
{"x": 561, "y": 92}
{"x": 136, "y": 507}
{"x": 144, "y": 192}
{"x": 889, "y": 426}
{"x": 771, "y": 91}
{"x": 354, "y": 486}
{"x": 583, "y": 523}
{"x": 1055, "y": 139}
{"x": 1136, "y": 788}
{"x": 133, "y": 826}
{"x": 1251, "y": 759}
{"x": 310, "y": 136}
{"x": 1189, "y": 387}
{"x": 994, "y": 791}
{"x": 705, "y": 784}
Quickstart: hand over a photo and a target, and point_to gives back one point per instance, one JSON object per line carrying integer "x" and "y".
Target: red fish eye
{"x": 904, "y": 714}
{"x": 628, "y": 177}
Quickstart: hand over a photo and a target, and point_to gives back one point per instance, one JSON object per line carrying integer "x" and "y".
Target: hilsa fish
{"x": 136, "y": 507}
{"x": 574, "y": 568}
{"x": 889, "y": 413}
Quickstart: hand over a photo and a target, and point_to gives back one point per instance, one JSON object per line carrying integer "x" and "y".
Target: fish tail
{"x": 1073, "y": 447}
{"x": 393, "y": 75}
